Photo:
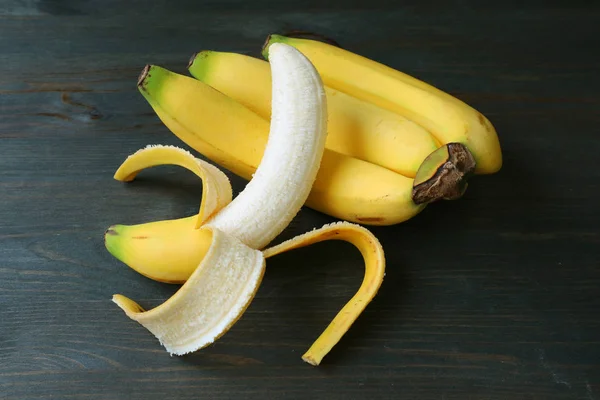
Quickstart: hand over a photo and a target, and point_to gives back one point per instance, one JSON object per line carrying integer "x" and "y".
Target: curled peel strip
{"x": 216, "y": 189}
{"x": 374, "y": 258}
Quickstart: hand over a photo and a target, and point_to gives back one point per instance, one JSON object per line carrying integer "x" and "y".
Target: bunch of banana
{"x": 217, "y": 253}
{"x": 314, "y": 125}
{"x": 394, "y": 143}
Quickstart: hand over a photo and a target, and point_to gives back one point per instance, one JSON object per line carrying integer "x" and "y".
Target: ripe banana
{"x": 229, "y": 270}
{"x": 446, "y": 117}
{"x": 355, "y": 127}
{"x": 234, "y": 137}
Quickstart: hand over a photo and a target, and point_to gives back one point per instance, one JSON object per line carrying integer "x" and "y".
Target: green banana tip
{"x": 191, "y": 61}
{"x": 199, "y": 64}
{"x": 150, "y": 82}
{"x": 149, "y": 71}
{"x": 272, "y": 38}
{"x": 112, "y": 242}
{"x": 143, "y": 75}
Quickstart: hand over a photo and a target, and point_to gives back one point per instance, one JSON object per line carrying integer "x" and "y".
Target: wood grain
{"x": 494, "y": 296}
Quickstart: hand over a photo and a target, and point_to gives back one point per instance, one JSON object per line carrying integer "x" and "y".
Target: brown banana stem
{"x": 444, "y": 174}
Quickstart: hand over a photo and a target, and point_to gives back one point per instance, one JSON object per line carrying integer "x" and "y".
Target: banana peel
{"x": 228, "y": 273}
{"x": 209, "y": 303}
{"x": 143, "y": 247}
{"x": 374, "y": 258}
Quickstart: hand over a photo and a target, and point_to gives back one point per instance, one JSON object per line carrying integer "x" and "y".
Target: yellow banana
{"x": 229, "y": 265}
{"x": 234, "y": 137}
{"x": 355, "y": 127}
{"x": 446, "y": 117}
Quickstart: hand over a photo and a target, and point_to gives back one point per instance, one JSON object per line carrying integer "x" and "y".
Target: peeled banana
{"x": 222, "y": 241}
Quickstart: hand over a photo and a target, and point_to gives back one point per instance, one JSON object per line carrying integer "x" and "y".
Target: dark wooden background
{"x": 494, "y": 296}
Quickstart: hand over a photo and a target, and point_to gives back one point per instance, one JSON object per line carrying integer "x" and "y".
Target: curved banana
{"x": 234, "y": 137}
{"x": 170, "y": 250}
{"x": 356, "y": 128}
{"x": 446, "y": 117}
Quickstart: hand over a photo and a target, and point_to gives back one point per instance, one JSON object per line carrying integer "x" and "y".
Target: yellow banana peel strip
{"x": 216, "y": 188}
{"x": 374, "y": 257}
{"x": 209, "y": 303}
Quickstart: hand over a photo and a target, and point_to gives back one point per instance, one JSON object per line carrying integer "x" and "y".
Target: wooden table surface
{"x": 494, "y": 296}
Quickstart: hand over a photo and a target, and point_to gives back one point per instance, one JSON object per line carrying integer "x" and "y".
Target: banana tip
{"x": 191, "y": 61}
{"x": 143, "y": 75}
{"x": 265, "y": 47}
{"x": 111, "y": 231}
{"x": 110, "y": 239}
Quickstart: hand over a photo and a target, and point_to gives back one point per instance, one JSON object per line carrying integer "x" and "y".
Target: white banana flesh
{"x": 292, "y": 157}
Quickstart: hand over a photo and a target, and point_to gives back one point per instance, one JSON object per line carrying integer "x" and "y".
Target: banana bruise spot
{"x": 374, "y": 257}
{"x": 443, "y": 174}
